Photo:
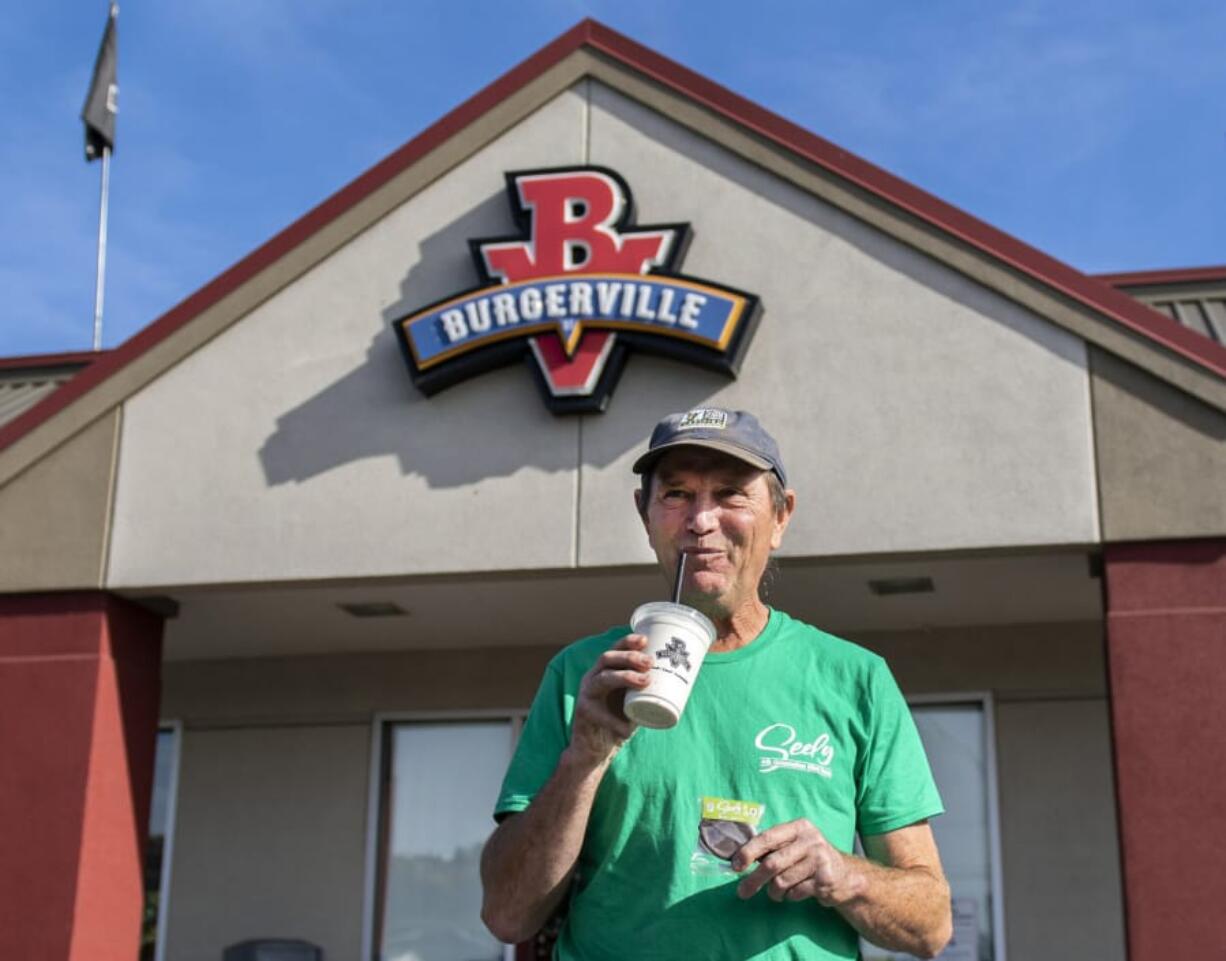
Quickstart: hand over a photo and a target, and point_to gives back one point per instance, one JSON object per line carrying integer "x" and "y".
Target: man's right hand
{"x": 600, "y": 725}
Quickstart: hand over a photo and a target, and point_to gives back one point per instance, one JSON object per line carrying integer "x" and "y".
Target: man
{"x": 783, "y": 719}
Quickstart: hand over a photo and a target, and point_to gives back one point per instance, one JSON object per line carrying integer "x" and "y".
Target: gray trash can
{"x": 272, "y": 949}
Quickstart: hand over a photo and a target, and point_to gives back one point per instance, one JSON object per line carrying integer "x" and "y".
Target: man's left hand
{"x": 795, "y": 861}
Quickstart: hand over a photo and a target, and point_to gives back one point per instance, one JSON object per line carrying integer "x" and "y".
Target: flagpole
{"x": 101, "y": 280}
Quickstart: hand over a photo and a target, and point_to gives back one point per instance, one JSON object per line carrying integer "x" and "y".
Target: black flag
{"x": 102, "y": 101}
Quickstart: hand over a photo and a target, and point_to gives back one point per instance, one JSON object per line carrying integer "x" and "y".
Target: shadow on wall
{"x": 375, "y": 411}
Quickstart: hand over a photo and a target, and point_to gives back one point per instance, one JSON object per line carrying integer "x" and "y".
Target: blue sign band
{"x": 664, "y": 306}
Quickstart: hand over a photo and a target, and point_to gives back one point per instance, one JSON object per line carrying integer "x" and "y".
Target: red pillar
{"x": 1166, "y": 652}
{"x": 79, "y": 692}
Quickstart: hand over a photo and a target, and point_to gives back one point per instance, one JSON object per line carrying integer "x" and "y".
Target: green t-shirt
{"x": 797, "y": 720}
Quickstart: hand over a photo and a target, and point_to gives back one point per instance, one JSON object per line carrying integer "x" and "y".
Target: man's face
{"x": 719, "y": 511}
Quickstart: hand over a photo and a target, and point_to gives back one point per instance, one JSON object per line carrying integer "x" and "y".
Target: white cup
{"x": 677, "y": 640}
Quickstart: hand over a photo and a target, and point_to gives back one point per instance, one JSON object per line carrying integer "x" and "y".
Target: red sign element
{"x": 575, "y": 227}
{"x": 574, "y": 230}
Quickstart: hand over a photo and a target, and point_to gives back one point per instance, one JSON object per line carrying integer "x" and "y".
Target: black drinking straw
{"x": 679, "y": 578}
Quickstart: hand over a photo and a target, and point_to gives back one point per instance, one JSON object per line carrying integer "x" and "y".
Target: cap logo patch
{"x": 576, "y": 291}
{"x": 704, "y": 419}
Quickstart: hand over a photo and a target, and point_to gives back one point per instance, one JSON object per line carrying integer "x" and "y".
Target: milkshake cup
{"x": 677, "y": 641}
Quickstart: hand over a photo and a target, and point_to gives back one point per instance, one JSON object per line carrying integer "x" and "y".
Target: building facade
{"x": 329, "y": 558}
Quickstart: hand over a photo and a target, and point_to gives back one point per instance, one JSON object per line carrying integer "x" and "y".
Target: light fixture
{"x": 901, "y": 585}
{"x": 373, "y": 609}
{"x": 160, "y": 604}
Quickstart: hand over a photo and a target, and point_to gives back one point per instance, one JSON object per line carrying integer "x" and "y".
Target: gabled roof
{"x": 24, "y": 381}
{"x": 1177, "y": 277}
{"x": 591, "y": 49}
{"x": 1194, "y": 296}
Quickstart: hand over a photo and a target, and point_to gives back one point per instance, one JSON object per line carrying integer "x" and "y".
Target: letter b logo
{"x": 576, "y": 228}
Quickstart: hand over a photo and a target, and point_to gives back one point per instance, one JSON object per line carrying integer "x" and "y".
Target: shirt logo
{"x": 575, "y": 292}
{"x": 782, "y": 749}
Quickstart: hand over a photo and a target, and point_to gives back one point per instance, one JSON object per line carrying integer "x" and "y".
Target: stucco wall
{"x": 916, "y": 410}
{"x": 1161, "y": 456}
{"x": 54, "y": 516}
{"x": 349, "y": 688}
{"x": 269, "y": 840}
{"x": 1058, "y": 831}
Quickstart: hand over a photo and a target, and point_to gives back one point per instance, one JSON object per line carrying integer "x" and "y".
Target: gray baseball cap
{"x": 734, "y": 432}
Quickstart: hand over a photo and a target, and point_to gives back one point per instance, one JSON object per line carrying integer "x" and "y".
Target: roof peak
{"x": 859, "y": 174}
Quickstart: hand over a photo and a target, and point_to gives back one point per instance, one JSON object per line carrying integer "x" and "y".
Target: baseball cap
{"x": 734, "y": 432}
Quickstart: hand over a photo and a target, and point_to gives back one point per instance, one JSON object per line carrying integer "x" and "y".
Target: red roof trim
{"x": 66, "y": 359}
{"x": 1158, "y": 278}
{"x": 1092, "y": 292}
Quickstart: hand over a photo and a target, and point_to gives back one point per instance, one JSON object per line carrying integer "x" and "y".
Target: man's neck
{"x": 741, "y": 627}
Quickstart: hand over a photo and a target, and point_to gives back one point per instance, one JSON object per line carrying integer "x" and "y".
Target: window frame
{"x": 376, "y": 826}
{"x": 987, "y": 704}
{"x": 168, "y": 844}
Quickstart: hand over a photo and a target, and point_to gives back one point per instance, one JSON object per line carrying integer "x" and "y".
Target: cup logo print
{"x": 577, "y": 289}
{"x": 782, "y": 749}
{"x": 675, "y": 653}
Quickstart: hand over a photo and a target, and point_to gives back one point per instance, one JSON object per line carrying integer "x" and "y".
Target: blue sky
{"x": 1093, "y": 130}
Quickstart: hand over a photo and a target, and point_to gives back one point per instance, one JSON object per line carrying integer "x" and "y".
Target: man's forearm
{"x": 528, "y": 862}
{"x": 901, "y": 909}
{"x": 530, "y": 858}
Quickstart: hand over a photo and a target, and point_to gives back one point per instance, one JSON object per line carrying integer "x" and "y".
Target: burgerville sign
{"x": 577, "y": 290}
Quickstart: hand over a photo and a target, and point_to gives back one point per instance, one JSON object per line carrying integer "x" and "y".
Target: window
{"x": 958, "y": 739}
{"x": 441, "y": 779}
{"x": 159, "y": 843}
